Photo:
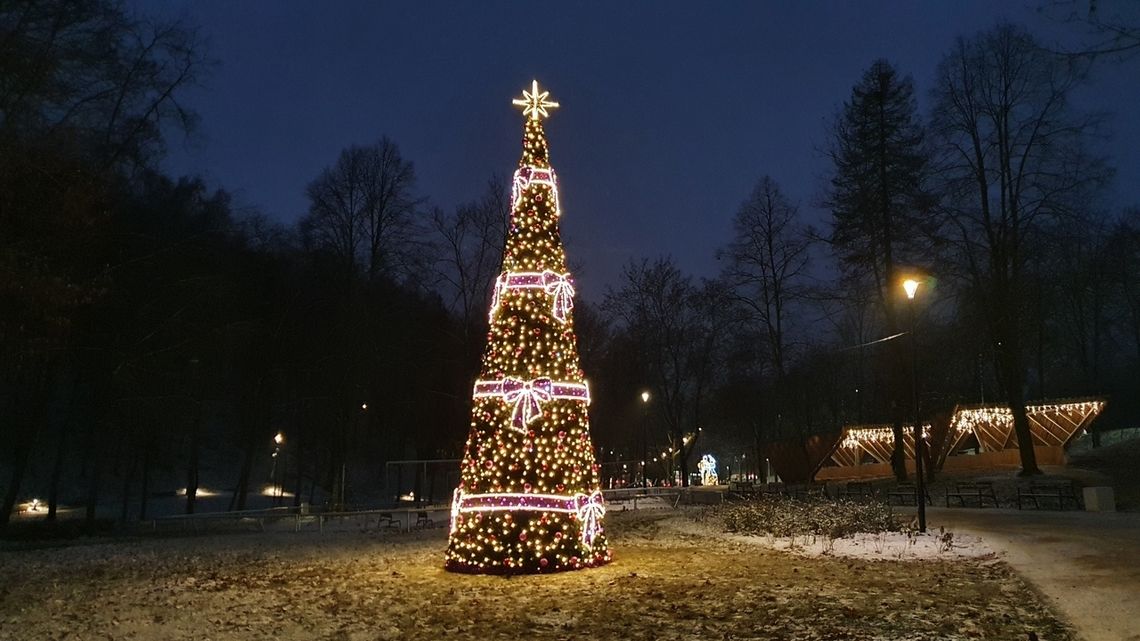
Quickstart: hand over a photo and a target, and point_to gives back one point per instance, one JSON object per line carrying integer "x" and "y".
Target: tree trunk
{"x": 93, "y": 485}
{"x": 144, "y": 491}
{"x": 898, "y": 364}
{"x": 898, "y": 453}
{"x": 252, "y": 419}
{"x": 61, "y": 452}
{"x": 238, "y": 500}
{"x": 128, "y": 480}
{"x": 1013, "y": 375}
{"x": 192, "y": 466}
{"x": 37, "y": 388}
{"x": 21, "y": 452}
{"x": 57, "y": 470}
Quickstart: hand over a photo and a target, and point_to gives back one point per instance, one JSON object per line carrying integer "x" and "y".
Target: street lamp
{"x": 644, "y": 431}
{"x": 278, "y": 441}
{"x": 911, "y": 287}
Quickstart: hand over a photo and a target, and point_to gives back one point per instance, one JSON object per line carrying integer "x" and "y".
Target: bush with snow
{"x": 784, "y": 517}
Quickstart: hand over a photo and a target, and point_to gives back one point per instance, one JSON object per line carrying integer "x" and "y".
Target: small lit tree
{"x": 529, "y": 497}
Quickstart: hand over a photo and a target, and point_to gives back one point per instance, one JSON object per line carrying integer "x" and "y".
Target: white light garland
{"x": 560, "y": 286}
{"x": 531, "y": 175}
{"x": 527, "y": 397}
{"x": 855, "y": 437}
{"x": 589, "y": 509}
{"x": 967, "y": 420}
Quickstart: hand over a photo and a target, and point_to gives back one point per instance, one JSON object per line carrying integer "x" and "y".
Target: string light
{"x": 856, "y": 437}
{"x": 529, "y": 496}
{"x": 969, "y": 419}
{"x": 559, "y": 286}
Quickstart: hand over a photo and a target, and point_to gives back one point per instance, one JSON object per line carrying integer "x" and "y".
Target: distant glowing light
{"x": 707, "y": 468}
{"x": 201, "y": 492}
{"x": 275, "y": 490}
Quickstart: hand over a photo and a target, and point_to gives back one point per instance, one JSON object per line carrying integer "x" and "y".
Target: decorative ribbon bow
{"x": 527, "y": 397}
{"x": 591, "y": 509}
{"x": 559, "y": 286}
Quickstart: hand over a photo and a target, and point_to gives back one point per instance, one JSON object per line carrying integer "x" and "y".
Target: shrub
{"x": 779, "y": 516}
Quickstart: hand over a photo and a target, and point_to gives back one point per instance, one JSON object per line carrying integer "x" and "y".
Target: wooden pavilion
{"x": 972, "y": 437}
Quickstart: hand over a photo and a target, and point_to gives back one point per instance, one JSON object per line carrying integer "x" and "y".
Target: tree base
{"x": 499, "y": 570}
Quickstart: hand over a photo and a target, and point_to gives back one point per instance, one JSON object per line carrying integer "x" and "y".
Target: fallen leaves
{"x": 368, "y": 587}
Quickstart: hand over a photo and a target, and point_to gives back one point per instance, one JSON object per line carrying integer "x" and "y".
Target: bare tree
{"x": 765, "y": 277}
{"x": 86, "y": 93}
{"x": 678, "y": 329}
{"x": 766, "y": 262}
{"x": 88, "y": 71}
{"x": 1013, "y": 160}
{"x": 363, "y": 209}
{"x": 471, "y": 243}
{"x": 1111, "y": 29}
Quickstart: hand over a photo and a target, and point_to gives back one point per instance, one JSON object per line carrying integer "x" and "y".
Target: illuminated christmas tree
{"x": 529, "y": 498}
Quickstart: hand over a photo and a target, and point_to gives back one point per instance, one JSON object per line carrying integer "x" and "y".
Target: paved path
{"x": 1086, "y": 563}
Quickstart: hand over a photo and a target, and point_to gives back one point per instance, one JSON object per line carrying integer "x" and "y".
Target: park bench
{"x": 252, "y": 517}
{"x": 857, "y": 490}
{"x": 978, "y": 492}
{"x": 744, "y": 489}
{"x": 1058, "y": 492}
{"x": 906, "y": 493}
{"x": 805, "y": 491}
{"x": 386, "y": 521}
{"x": 772, "y": 489}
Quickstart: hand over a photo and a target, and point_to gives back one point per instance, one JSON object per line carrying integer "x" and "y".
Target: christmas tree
{"x": 529, "y": 498}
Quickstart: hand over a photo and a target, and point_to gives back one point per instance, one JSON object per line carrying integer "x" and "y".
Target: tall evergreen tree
{"x": 879, "y": 205}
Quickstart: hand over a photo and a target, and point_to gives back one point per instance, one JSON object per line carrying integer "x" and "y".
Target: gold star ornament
{"x": 535, "y": 103}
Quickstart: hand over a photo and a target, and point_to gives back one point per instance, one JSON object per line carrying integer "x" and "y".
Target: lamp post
{"x": 644, "y": 433}
{"x": 911, "y": 287}
{"x": 278, "y": 441}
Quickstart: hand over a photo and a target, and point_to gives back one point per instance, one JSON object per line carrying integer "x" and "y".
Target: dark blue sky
{"x": 670, "y": 110}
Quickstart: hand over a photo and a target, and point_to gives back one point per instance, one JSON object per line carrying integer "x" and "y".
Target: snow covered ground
{"x": 894, "y": 546}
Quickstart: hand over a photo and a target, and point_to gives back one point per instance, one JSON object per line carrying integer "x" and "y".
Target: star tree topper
{"x": 534, "y": 102}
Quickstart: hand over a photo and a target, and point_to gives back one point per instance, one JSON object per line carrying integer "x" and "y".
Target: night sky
{"x": 670, "y": 110}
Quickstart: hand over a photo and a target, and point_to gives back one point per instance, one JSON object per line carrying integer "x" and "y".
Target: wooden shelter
{"x": 986, "y": 431}
{"x": 972, "y": 437}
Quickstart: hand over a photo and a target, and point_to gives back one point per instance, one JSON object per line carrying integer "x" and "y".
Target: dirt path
{"x": 1087, "y": 564}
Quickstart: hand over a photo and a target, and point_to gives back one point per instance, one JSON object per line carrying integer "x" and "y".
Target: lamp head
{"x": 911, "y": 287}
{"x": 645, "y": 397}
